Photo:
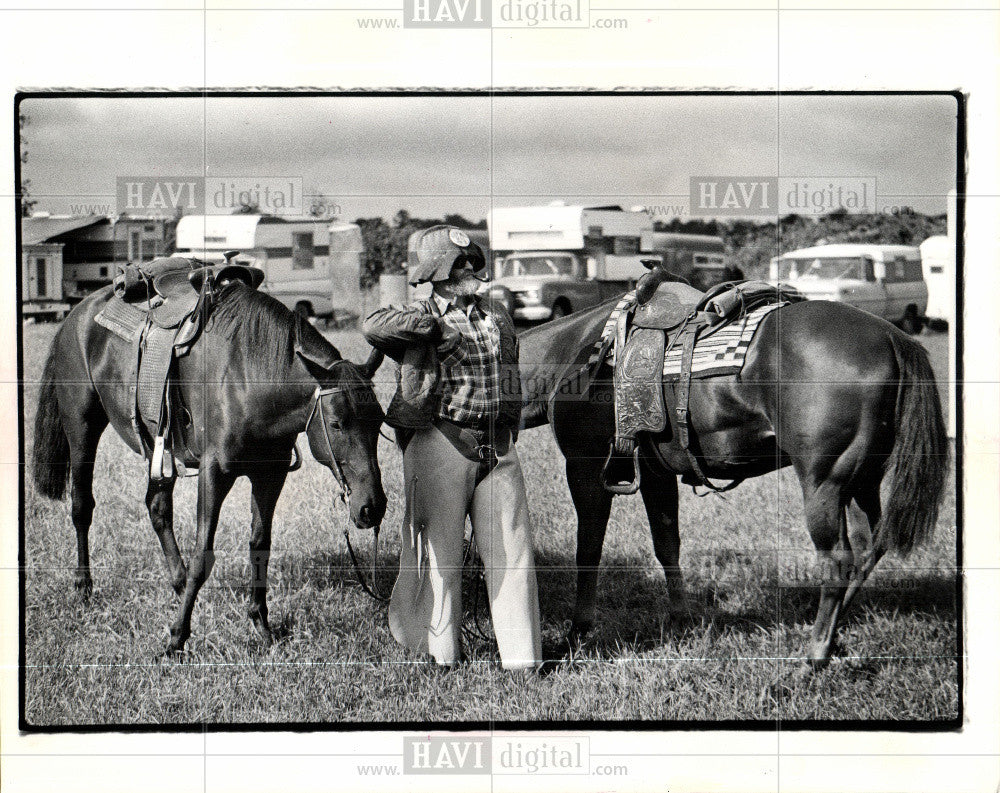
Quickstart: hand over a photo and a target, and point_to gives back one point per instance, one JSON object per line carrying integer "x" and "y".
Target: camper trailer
{"x": 556, "y": 259}
{"x": 938, "y": 257}
{"x": 700, "y": 259}
{"x": 300, "y": 258}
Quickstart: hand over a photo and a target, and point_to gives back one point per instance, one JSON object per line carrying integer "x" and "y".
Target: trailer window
{"x": 538, "y": 265}
{"x": 302, "y": 250}
{"x": 626, "y": 246}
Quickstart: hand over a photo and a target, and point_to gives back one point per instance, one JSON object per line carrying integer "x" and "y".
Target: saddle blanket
{"x": 124, "y": 320}
{"x": 724, "y": 351}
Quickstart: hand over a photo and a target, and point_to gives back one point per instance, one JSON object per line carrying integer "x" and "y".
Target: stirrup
{"x": 161, "y": 465}
{"x": 621, "y": 488}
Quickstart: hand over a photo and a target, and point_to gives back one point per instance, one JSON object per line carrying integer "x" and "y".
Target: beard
{"x": 462, "y": 283}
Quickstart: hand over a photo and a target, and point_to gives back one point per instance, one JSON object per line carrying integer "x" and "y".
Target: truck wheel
{"x": 561, "y": 308}
{"x": 303, "y": 309}
{"x": 911, "y": 323}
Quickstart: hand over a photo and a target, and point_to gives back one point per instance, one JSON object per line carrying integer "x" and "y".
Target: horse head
{"x": 343, "y": 431}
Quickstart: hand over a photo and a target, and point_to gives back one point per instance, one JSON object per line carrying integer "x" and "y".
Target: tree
{"x": 27, "y": 204}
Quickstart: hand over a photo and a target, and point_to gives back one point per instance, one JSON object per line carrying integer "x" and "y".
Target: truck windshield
{"x": 826, "y": 268}
{"x": 538, "y": 265}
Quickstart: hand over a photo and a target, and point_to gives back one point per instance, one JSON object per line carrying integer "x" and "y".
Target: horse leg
{"x": 266, "y": 484}
{"x": 83, "y": 432}
{"x": 213, "y": 486}
{"x": 827, "y": 524}
{"x": 869, "y": 503}
{"x": 160, "y": 505}
{"x": 659, "y": 495}
{"x": 593, "y": 507}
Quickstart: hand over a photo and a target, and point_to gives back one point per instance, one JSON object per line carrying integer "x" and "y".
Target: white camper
{"x": 302, "y": 259}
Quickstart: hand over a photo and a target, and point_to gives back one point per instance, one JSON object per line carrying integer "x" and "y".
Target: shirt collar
{"x": 444, "y": 303}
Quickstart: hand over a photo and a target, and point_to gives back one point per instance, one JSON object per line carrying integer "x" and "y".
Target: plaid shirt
{"x": 470, "y": 371}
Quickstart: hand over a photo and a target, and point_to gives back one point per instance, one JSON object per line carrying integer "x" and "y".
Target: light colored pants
{"x": 425, "y": 614}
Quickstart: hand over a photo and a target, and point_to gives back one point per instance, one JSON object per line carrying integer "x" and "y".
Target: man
{"x": 456, "y": 413}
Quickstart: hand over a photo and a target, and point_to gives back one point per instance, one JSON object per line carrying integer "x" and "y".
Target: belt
{"x": 478, "y": 445}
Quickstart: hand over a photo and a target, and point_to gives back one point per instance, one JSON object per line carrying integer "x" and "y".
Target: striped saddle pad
{"x": 722, "y": 352}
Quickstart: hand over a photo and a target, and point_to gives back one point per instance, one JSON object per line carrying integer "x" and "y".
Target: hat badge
{"x": 459, "y": 237}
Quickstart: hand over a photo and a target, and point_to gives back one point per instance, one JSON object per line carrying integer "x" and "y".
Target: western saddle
{"x": 161, "y": 306}
{"x": 664, "y": 314}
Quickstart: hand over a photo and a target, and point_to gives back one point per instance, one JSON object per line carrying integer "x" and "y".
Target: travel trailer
{"x": 312, "y": 266}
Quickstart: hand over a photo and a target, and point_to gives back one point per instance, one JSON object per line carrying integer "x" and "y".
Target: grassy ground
{"x": 734, "y": 656}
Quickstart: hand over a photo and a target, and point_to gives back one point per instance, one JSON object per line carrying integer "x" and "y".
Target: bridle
{"x": 318, "y": 407}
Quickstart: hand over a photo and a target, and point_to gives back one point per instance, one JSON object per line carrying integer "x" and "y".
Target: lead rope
{"x": 470, "y": 560}
{"x": 344, "y": 495}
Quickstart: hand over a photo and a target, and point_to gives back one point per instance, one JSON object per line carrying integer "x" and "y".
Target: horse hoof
{"x": 84, "y": 588}
{"x": 170, "y": 653}
{"x": 580, "y": 638}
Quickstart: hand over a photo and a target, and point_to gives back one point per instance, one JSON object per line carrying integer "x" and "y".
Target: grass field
{"x": 733, "y": 656}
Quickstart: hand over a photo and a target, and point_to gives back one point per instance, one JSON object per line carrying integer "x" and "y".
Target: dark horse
{"x": 256, "y": 377}
{"x": 842, "y": 396}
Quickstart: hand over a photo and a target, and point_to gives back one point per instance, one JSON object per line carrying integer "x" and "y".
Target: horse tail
{"x": 919, "y": 459}
{"x": 50, "y": 458}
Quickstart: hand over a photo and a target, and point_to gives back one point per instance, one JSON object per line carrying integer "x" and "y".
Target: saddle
{"x": 666, "y": 314}
{"x": 161, "y": 307}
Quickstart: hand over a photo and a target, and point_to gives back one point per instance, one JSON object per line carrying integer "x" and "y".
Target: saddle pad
{"x": 723, "y": 352}
{"x": 122, "y": 319}
{"x": 157, "y": 354}
{"x": 603, "y": 347}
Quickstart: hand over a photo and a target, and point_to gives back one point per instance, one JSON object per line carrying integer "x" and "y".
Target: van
{"x": 885, "y": 280}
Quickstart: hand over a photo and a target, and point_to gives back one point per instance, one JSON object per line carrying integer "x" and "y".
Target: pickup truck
{"x": 540, "y": 285}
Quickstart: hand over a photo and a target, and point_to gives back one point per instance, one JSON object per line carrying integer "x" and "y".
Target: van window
{"x": 901, "y": 269}
{"x": 850, "y": 267}
{"x": 302, "y": 250}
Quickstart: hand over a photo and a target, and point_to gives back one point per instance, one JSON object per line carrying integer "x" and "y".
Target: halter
{"x": 345, "y": 491}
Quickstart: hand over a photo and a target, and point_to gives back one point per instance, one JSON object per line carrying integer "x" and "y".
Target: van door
{"x": 897, "y": 291}
{"x": 874, "y": 296}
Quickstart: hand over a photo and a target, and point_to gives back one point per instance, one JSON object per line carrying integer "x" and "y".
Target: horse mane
{"x": 549, "y": 351}
{"x": 264, "y": 328}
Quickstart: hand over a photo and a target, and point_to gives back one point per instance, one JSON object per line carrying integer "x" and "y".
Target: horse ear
{"x": 313, "y": 348}
{"x": 369, "y": 367}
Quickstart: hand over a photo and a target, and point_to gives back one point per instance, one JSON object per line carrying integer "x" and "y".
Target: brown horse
{"x": 842, "y": 396}
{"x": 256, "y": 377}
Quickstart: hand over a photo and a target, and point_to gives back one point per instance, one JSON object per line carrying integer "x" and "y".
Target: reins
{"x": 345, "y": 494}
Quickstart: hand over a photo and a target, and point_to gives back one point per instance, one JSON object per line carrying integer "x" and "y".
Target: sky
{"x": 372, "y": 156}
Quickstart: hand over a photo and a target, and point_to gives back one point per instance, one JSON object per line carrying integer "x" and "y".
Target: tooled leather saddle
{"x": 161, "y": 308}
{"x": 666, "y": 315}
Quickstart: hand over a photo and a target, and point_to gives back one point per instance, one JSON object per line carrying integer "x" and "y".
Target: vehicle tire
{"x": 561, "y": 308}
{"x": 911, "y": 323}
{"x": 303, "y": 309}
